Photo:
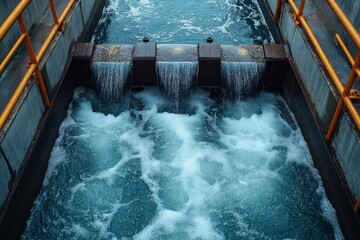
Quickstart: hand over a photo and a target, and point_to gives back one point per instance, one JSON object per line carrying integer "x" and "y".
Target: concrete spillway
{"x": 300, "y": 79}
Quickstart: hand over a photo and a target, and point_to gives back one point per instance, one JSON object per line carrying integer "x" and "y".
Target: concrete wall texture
{"x": 317, "y": 85}
{"x": 19, "y": 132}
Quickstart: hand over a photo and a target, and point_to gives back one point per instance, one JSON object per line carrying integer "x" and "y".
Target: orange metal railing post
{"x": 53, "y": 10}
{"x": 33, "y": 59}
{"x": 344, "y": 91}
{"x": 33, "y": 68}
{"x": 357, "y": 206}
{"x": 301, "y": 9}
{"x": 344, "y": 97}
{"x": 349, "y": 27}
{"x": 345, "y": 49}
{"x": 277, "y": 10}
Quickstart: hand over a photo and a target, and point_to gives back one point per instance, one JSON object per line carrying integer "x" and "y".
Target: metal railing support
{"x": 357, "y": 206}
{"x": 301, "y": 9}
{"x": 33, "y": 68}
{"x": 344, "y": 91}
{"x": 345, "y": 99}
{"x": 34, "y": 61}
{"x": 12, "y": 18}
{"x": 349, "y": 27}
{"x": 278, "y": 10}
{"x": 53, "y": 11}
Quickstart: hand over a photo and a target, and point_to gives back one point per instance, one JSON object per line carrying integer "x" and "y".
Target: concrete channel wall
{"x": 318, "y": 87}
{"x": 17, "y": 135}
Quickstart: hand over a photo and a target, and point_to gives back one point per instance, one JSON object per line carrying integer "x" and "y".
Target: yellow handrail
{"x": 357, "y": 206}
{"x": 343, "y": 90}
{"x": 349, "y": 27}
{"x": 16, "y": 15}
{"x": 12, "y": 18}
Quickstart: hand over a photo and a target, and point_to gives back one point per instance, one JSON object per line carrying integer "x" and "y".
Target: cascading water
{"x": 111, "y": 80}
{"x": 231, "y": 170}
{"x": 241, "y": 79}
{"x": 177, "y": 80}
{"x": 111, "y": 83}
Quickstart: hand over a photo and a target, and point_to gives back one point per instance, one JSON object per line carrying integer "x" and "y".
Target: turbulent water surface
{"x": 178, "y": 21}
{"x": 237, "y": 170}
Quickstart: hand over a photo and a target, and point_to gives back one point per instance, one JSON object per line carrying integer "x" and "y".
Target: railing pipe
{"x": 301, "y": 9}
{"x": 54, "y": 30}
{"x": 53, "y": 11}
{"x": 357, "y": 206}
{"x": 277, "y": 10}
{"x": 33, "y": 59}
{"x": 12, "y": 52}
{"x": 12, "y": 18}
{"x": 337, "y": 82}
{"x": 347, "y": 54}
{"x": 16, "y": 95}
{"x": 345, "y": 99}
{"x": 345, "y": 49}
{"x": 28, "y": 44}
{"x": 349, "y": 27}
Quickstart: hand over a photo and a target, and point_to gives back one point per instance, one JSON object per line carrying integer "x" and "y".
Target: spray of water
{"x": 237, "y": 170}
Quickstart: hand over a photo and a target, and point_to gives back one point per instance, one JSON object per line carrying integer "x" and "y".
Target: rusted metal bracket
{"x": 63, "y": 26}
{"x": 354, "y": 94}
{"x": 357, "y": 206}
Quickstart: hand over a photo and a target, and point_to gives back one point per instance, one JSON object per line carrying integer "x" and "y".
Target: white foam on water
{"x": 222, "y": 177}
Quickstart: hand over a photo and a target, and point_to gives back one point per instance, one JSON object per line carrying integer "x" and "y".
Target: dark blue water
{"x": 179, "y": 21}
{"x": 237, "y": 170}
{"x": 144, "y": 166}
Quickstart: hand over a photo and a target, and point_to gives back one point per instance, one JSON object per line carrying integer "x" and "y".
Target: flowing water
{"x": 214, "y": 165}
{"x": 190, "y": 21}
{"x": 111, "y": 80}
{"x": 241, "y": 79}
{"x": 238, "y": 170}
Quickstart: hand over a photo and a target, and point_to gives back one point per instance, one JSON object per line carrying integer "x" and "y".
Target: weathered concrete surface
{"x": 346, "y": 144}
{"x": 20, "y": 133}
{"x": 144, "y": 65}
{"x": 177, "y": 52}
{"x": 319, "y": 88}
{"x": 113, "y": 53}
{"x": 242, "y": 53}
{"x": 209, "y": 65}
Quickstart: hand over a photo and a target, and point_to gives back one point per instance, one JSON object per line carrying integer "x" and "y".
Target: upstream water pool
{"x": 238, "y": 170}
{"x": 175, "y": 21}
